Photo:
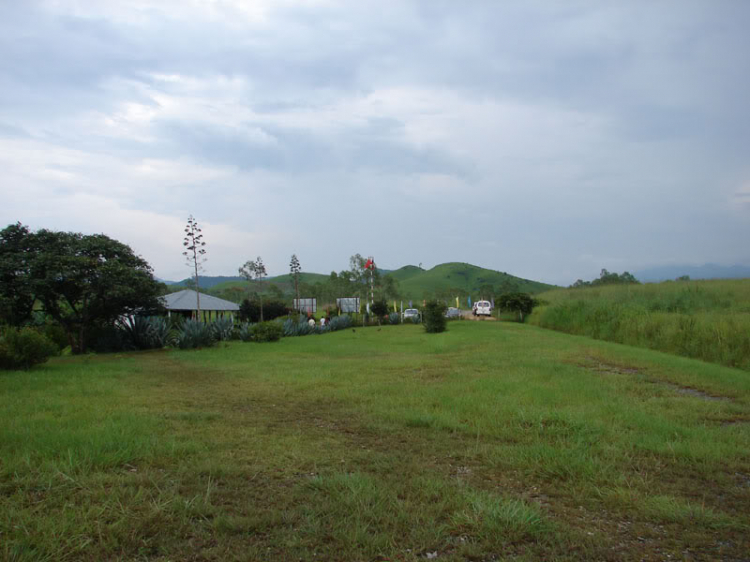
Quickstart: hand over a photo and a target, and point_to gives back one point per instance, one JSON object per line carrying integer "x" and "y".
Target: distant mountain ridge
{"x": 206, "y": 281}
{"x": 209, "y": 282}
{"x": 705, "y": 271}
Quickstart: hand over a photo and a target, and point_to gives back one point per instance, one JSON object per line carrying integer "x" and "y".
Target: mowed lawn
{"x": 491, "y": 441}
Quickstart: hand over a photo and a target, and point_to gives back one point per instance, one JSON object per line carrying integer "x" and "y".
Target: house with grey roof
{"x": 185, "y": 303}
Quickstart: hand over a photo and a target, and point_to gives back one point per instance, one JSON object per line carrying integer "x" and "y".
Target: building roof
{"x": 188, "y": 300}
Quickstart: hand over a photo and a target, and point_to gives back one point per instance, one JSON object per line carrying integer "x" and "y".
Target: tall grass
{"x": 708, "y": 320}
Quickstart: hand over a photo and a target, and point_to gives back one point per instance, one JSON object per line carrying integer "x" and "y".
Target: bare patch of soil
{"x": 597, "y": 365}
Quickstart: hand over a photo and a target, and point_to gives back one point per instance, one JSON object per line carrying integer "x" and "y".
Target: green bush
{"x": 434, "y": 317}
{"x": 379, "y": 309}
{"x": 56, "y": 334}
{"x": 394, "y": 318}
{"x": 105, "y": 339}
{"x": 24, "y": 348}
{"x": 250, "y": 310}
{"x": 267, "y": 332}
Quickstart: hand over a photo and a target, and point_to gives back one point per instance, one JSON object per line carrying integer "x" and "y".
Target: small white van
{"x": 482, "y": 308}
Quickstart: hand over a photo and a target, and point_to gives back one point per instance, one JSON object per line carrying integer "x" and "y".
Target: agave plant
{"x": 194, "y": 334}
{"x": 135, "y": 332}
{"x": 160, "y": 329}
{"x": 143, "y": 332}
{"x": 245, "y": 331}
{"x": 294, "y": 327}
{"x": 394, "y": 318}
{"x": 222, "y": 329}
{"x": 340, "y": 323}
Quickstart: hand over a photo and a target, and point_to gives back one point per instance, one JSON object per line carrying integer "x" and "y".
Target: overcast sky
{"x": 547, "y": 139}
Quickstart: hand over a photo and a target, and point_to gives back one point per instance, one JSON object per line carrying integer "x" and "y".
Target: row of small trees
{"x": 607, "y": 278}
{"x": 253, "y": 270}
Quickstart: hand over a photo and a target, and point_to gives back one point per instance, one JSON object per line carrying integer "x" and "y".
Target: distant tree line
{"x": 352, "y": 282}
{"x": 608, "y": 278}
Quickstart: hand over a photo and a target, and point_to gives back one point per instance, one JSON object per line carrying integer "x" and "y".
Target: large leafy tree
{"x": 83, "y": 282}
{"x": 520, "y": 303}
{"x": 255, "y": 271}
{"x": 17, "y": 250}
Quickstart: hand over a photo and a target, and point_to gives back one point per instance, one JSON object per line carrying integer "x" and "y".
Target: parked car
{"x": 452, "y": 312}
{"x": 411, "y": 314}
{"x": 482, "y": 308}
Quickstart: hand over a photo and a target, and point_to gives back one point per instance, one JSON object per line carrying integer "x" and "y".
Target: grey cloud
{"x": 657, "y": 177}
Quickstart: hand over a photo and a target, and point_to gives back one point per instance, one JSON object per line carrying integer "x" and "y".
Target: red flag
{"x": 369, "y": 264}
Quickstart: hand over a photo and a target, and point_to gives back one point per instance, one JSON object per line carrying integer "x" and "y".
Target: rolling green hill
{"x": 446, "y": 280}
{"x": 406, "y": 272}
{"x": 236, "y": 290}
{"x": 462, "y": 279}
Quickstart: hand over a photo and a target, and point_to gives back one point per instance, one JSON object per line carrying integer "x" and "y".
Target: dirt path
{"x": 468, "y": 315}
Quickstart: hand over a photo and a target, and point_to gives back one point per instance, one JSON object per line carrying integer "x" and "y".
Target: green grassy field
{"x": 708, "y": 320}
{"x": 491, "y": 441}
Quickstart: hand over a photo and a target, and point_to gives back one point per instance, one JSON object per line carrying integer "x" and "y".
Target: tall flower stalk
{"x": 194, "y": 253}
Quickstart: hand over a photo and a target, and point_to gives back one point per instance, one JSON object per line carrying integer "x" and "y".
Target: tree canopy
{"x": 83, "y": 282}
{"x": 608, "y": 278}
{"x": 520, "y": 303}
{"x": 17, "y": 249}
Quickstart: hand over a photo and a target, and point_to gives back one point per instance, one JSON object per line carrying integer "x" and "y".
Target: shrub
{"x": 222, "y": 329}
{"x": 340, "y": 322}
{"x": 250, "y": 310}
{"x": 267, "y": 332}
{"x": 331, "y": 310}
{"x": 24, "y": 348}
{"x": 194, "y": 334}
{"x": 245, "y": 331}
{"x": 434, "y": 317}
{"x": 55, "y": 333}
{"x": 106, "y": 339}
{"x": 394, "y": 318}
{"x": 379, "y": 309}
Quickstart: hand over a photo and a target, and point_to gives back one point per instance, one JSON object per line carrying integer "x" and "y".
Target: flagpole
{"x": 372, "y": 281}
